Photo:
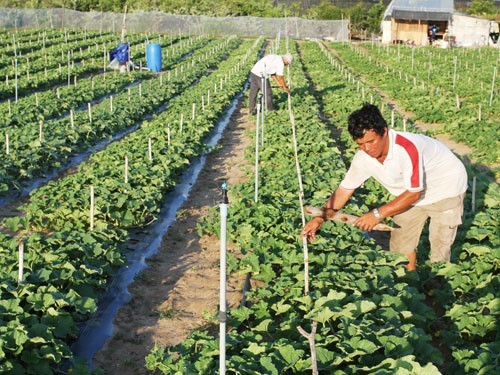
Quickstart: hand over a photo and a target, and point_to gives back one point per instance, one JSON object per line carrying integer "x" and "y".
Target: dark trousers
{"x": 255, "y": 86}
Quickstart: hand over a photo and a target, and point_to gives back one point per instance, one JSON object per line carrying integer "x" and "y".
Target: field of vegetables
{"x": 98, "y": 151}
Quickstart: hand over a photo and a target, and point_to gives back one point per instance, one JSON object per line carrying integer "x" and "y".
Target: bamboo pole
{"x": 92, "y": 207}
{"x": 301, "y": 195}
{"x": 493, "y": 85}
{"x": 473, "y": 204}
{"x": 312, "y": 345}
{"x": 256, "y": 184}
{"x": 126, "y": 170}
{"x": 15, "y": 67}
{"x": 150, "y": 149}
{"x": 123, "y": 24}
{"x": 20, "y": 272}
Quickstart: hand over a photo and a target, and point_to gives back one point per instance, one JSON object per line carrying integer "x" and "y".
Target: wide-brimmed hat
{"x": 288, "y": 58}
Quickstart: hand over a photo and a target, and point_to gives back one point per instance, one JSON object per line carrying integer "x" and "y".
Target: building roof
{"x": 435, "y": 10}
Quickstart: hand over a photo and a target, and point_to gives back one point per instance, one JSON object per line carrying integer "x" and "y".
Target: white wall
{"x": 471, "y": 31}
{"x": 386, "y": 31}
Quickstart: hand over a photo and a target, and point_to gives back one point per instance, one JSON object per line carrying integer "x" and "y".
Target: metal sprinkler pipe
{"x": 222, "y": 301}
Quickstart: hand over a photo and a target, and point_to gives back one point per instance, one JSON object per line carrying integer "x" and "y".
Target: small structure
{"x": 434, "y": 22}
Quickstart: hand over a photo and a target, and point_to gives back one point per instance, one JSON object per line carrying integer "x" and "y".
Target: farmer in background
{"x": 269, "y": 66}
{"x": 433, "y": 29}
{"x": 426, "y": 178}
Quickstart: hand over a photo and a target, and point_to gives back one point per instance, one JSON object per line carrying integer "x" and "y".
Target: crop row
{"x": 59, "y": 100}
{"x": 29, "y": 40}
{"x": 38, "y": 147}
{"x": 456, "y": 89}
{"x": 66, "y": 264}
{"x": 44, "y": 68}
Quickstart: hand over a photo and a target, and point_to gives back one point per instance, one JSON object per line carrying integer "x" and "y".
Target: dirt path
{"x": 179, "y": 289}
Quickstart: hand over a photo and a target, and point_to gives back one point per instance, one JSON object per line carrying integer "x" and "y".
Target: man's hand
{"x": 367, "y": 221}
{"x": 311, "y": 228}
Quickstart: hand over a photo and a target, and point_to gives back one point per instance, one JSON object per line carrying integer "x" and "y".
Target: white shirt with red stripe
{"x": 414, "y": 162}
{"x": 269, "y": 65}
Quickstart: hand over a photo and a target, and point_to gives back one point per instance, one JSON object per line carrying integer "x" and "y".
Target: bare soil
{"x": 179, "y": 290}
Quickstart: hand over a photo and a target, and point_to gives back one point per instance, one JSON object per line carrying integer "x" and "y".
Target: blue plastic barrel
{"x": 153, "y": 57}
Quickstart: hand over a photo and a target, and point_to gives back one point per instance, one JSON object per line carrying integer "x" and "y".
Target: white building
{"x": 411, "y": 22}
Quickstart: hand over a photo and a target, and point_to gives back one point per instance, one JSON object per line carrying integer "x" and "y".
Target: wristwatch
{"x": 377, "y": 214}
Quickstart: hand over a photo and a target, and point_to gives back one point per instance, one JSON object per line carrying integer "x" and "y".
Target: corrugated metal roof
{"x": 420, "y": 9}
{"x": 420, "y": 15}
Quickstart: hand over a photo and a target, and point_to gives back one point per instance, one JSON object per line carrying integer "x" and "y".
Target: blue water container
{"x": 153, "y": 57}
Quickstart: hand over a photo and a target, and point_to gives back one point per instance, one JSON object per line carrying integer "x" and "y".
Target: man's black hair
{"x": 366, "y": 118}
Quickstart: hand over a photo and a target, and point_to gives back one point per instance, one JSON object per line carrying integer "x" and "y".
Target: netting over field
{"x": 159, "y": 22}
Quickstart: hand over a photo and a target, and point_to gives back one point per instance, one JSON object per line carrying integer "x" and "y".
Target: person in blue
{"x": 432, "y": 33}
{"x": 269, "y": 66}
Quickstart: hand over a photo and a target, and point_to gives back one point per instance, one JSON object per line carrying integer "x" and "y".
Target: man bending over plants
{"x": 269, "y": 66}
{"x": 426, "y": 178}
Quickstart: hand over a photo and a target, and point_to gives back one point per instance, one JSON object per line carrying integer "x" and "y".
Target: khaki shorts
{"x": 445, "y": 216}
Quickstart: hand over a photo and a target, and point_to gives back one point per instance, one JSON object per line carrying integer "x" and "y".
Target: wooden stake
{"x": 7, "y": 148}
{"x": 493, "y": 85}
{"x": 126, "y": 170}
{"x": 40, "y": 130}
{"x": 454, "y": 70}
{"x": 473, "y": 205}
{"x": 20, "y": 273}
{"x": 150, "y": 151}
{"x": 72, "y": 118}
{"x": 90, "y": 112}
{"x": 312, "y": 345}
{"x": 92, "y": 204}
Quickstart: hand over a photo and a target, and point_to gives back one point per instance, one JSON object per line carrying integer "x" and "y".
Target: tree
{"x": 374, "y": 18}
{"x": 482, "y": 8}
{"x": 358, "y": 17}
{"x": 324, "y": 11}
